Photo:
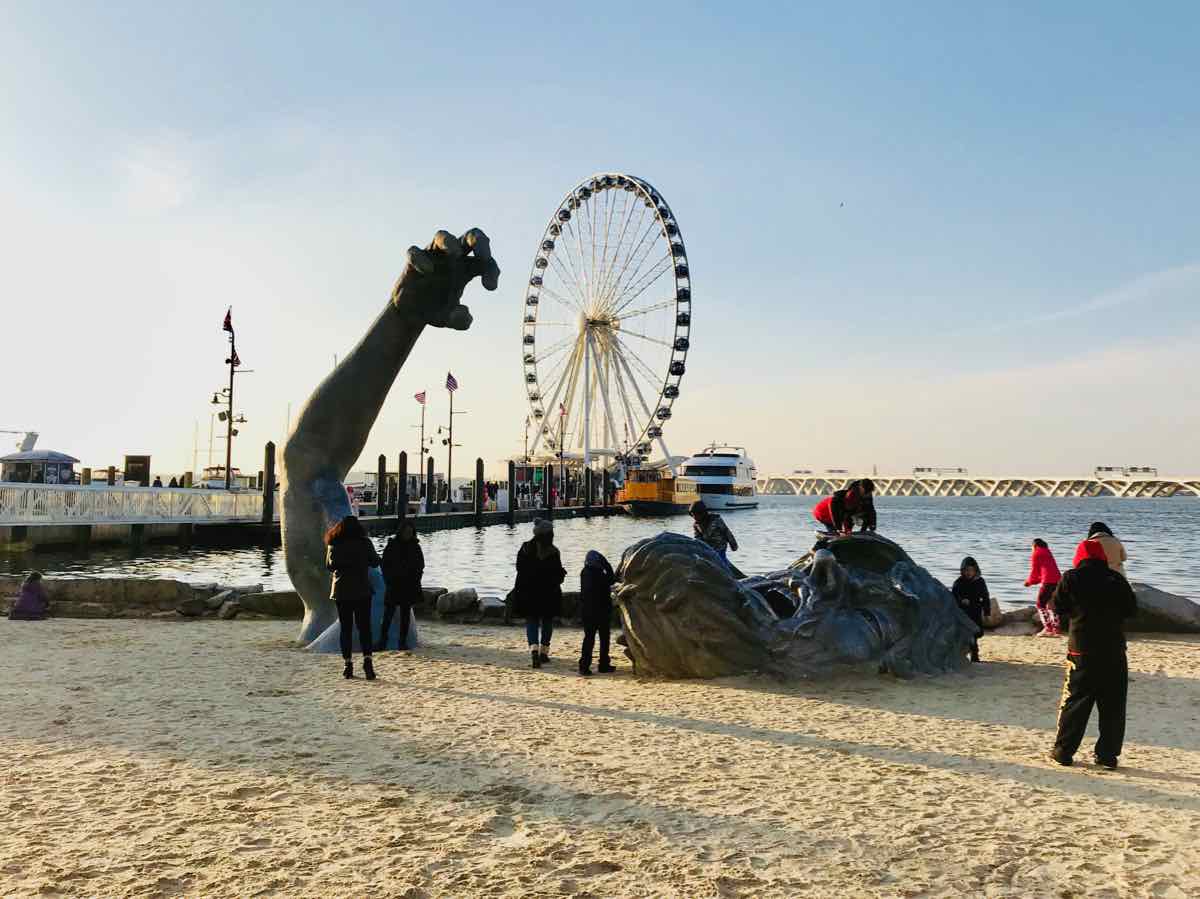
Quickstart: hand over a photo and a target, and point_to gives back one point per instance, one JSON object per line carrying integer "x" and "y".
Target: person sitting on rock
{"x": 711, "y": 529}
{"x": 838, "y": 511}
{"x": 971, "y": 593}
{"x": 403, "y": 565}
{"x": 349, "y": 554}
{"x": 1096, "y": 600}
{"x": 1043, "y": 570}
{"x": 596, "y": 581}
{"x": 538, "y": 590}
{"x": 31, "y": 604}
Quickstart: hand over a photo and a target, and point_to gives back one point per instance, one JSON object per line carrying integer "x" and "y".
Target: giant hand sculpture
{"x": 332, "y": 429}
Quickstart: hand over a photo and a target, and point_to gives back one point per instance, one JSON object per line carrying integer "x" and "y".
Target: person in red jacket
{"x": 837, "y": 512}
{"x": 1043, "y": 570}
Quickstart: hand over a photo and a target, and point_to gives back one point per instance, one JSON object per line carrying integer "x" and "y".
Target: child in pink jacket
{"x": 1044, "y": 570}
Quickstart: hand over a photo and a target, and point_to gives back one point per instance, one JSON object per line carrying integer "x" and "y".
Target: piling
{"x": 587, "y": 488}
{"x": 605, "y": 485}
{"x": 547, "y": 493}
{"x": 85, "y": 477}
{"x": 512, "y": 493}
{"x": 268, "y": 487}
{"x": 112, "y": 476}
{"x": 430, "y": 505}
{"x": 479, "y": 493}
{"x": 401, "y": 489}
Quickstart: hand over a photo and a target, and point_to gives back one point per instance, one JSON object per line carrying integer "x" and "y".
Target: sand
{"x": 212, "y": 758}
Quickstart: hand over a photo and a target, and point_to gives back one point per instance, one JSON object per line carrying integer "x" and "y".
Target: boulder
{"x": 192, "y": 607}
{"x": 456, "y": 602}
{"x": 431, "y": 595}
{"x": 1162, "y": 612}
{"x": 272, "y": 604}
{"x": 492, "y": 608}
{"x": 572, "y": 602}
{"x": 217, "y": 600}
{"x": 229, "y": 609}
{"x": 249, "y": 588}
{"x": 71, "y": 609}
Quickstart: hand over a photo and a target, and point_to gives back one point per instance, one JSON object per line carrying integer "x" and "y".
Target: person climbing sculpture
{"x": 331, "y": 431}
{"x": 856, "y": 500}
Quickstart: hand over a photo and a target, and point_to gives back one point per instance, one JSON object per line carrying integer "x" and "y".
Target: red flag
{"x": 228, "y": 326}
{"x": 420, "y": 397}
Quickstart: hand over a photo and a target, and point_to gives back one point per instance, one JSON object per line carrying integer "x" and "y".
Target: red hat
{"x": 1089, "y": 549}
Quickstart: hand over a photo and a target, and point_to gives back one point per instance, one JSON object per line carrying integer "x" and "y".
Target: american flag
{"x": 234, "y": 360}
{"x": 420, "y": 397}
{"x": 228, "y": 326}
{"x": 451, "y": 383}
{"x": 562, "y": 410}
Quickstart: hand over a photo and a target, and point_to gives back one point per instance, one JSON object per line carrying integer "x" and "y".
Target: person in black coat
{"x": 538, "y": 591}
{"x": 1096, "y": 600}
{"x": 971, "y": 593}
{"x": 596, "y": 581}
{"x": 403, "y": 566}
{"x": 349, "y": 554}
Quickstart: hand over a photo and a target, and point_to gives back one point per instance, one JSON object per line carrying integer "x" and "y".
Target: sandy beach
{"x": 157, "y": 759}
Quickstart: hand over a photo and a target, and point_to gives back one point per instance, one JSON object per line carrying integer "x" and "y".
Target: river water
{"x": 1160, "y": 535}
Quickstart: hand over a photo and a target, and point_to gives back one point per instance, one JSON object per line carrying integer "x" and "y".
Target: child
{"x": 971, "y": 594}
{"x": 403, "y": 566}
{"x": 596, "y": 581}
{"x": 31, "y": 604}
{"x": 1044, "y": 570}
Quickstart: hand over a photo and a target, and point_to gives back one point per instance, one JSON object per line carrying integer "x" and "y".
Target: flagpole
{"x": 229, "y": 418}
{"x": 450, "y": 453}
{"x": 421, "y": 455}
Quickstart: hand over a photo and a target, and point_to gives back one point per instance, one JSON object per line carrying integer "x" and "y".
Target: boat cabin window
{"x": 726, "y": 471}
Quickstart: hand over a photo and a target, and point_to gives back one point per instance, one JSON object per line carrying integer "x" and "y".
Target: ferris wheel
{"x": 606, "y": 322}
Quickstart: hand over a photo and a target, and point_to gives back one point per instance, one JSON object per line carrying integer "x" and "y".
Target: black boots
{"x": 605, "y": 668}
{"x": 368, "y": 668}
{"x": 585, "y": 672}
{"x": 536, "y": 657}
{"x": 348, "y": 671}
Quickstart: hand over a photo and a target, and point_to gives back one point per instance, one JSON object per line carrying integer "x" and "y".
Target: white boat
{"x": 724, "y": 476}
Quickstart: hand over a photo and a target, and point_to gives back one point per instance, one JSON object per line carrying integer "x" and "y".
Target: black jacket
{"x": 972, "y": 597}
{"x": 403, "y": 566}
{"x": 845, "y": 506}
{"x": 538, "y": 591}
{"x": 349, "y": 560}
{"x": 596, "y": 582}
{"x": 1096, "y": 600}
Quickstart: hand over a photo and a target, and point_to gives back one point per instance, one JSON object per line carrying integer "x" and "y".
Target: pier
{"x": 1153, "y": 487}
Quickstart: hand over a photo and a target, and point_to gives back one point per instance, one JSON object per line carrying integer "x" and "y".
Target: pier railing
{"x": 1130, "y": 488}
{"x": 33, "y": 504}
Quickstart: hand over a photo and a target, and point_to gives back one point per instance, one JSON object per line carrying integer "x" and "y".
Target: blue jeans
{"x": 531, "y": 631}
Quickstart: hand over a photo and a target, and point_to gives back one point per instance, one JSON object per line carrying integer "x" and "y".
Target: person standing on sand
{"x": 1043, "y": 570}
{"x": 1114, "y": 549}
{"x": 538, "y": 590}
{"x": 1096, "y": 600}
{"x": 349, "y": 553}
{"x": 971, "y": 593}
{"x": 403, "y": 566}
{"x": 596, "y": 581}
{"x": 31, "y": 604}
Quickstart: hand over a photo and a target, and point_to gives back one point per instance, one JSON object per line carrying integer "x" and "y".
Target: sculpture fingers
{"x": 482, "y": 265}
{"x": 448, "y": 244}
{"x": 420, "y": 260}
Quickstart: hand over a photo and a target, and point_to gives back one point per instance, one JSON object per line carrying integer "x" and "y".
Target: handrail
{"x": 66, "y": 504}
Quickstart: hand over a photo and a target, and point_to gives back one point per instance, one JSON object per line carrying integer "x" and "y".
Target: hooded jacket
{"x": 349, "y": 560}
{"x": 1043, "y": 569}
{"x": 1114, "y": 550}
{"x": 403, "y": 565}
{"x": 1096, "y": 600}
{"x": 31, "y": 604}
{"x": 971, "y": 594}
{"x": 596, "y": 581}
{"x": 837, "y": 511}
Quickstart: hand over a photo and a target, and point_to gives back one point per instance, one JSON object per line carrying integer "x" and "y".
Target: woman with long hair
{"x": 349, "y": 554}
{"x": 1043, "y": 571}
{"x": 538, "y": 590}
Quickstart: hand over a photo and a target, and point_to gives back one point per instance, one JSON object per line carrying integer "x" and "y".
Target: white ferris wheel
{"x": 606, "y": 322}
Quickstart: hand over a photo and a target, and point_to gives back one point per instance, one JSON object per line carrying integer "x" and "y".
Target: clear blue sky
{"x": 1011, "y": 283}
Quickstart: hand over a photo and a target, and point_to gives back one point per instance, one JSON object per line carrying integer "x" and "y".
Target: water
{"x": 1159, "y": 535}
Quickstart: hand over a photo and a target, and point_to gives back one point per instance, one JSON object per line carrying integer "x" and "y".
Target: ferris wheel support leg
{"x": 587, "y": 401}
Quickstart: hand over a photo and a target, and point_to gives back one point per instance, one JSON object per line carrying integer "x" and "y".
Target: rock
{"x": 165, "y": 615}
{"x": 492, "y": 608}
{"x": 431, "y": 595}
{"x": 229, "y": 610}
{"x": 1162, "y": 612}
{"x": 1019, "y": 616}
{"x": 249, "y": 588}
{"x": 69, "y": 609}
{"x": 572, "y": 601}
{"x": 456, "y": 602}
{"x": 273, "y": 604}
{"x": 217, "y": 600}
{"x": 192, "y": 607}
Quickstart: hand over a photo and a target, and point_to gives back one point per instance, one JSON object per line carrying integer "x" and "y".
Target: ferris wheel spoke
{"x": 632, "y": 430}
{"x": 612, "y": 205}
{"x": 610, "y": 288}
{"x": 613, "y": 272}
{"x": 636, "y": 289}
{"x": 581, "y": 273}
{"x": 651, "y": 228}
{"x": 564, "y": 300}
{"x": 552, "y": 407}
{"x": 625, "y": 331}
{"x": 665, "y": 304}
{"x": 608, "y": 417}
{"x": 653, "y": 378}
{"x": 621, "y": 351}
{"x": 571, "y": 284}
{"x": 556, "y": 348}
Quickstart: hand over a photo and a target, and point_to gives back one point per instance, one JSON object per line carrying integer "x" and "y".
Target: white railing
{"x": 1139, "y": 488}
{"x": 32, "y": 504}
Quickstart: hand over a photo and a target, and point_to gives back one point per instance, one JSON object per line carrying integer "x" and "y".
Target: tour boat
{"x": 724, "y": 477}
{"x": 656, "y": 491}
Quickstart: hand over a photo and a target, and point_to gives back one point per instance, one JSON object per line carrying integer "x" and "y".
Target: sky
{"x": 925, "y": 234}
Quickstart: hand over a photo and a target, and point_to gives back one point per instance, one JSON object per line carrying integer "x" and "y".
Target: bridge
{"x": 811, "y": 484}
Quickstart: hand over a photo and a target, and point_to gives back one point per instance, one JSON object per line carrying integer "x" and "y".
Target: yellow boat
{"x": 656, "y": 491}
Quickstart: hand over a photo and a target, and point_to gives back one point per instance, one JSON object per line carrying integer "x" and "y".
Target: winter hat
{"x": 1089, "y": 549}
{"x": 594, "y": 560}
{"x": 542, "y": 526}
{"x": 969, "y": 560}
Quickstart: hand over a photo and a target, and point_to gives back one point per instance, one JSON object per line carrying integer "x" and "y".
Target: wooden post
{"x": 430, "y": 505}
{"x": 187, "y": 479}
{"x": 380, "y": 484}
{"x": 512, "y": 492}
{"x": 478, "y": 493}
{"x": 401, "y": 490}
{"x": 587, "y": 488}
{"x": 112, "y": 475}
{"x": 268, "y": 487}
{"x": 547, "y": 494}
{"x": 605, "y": 485}
{"x": 85, "y": 477}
